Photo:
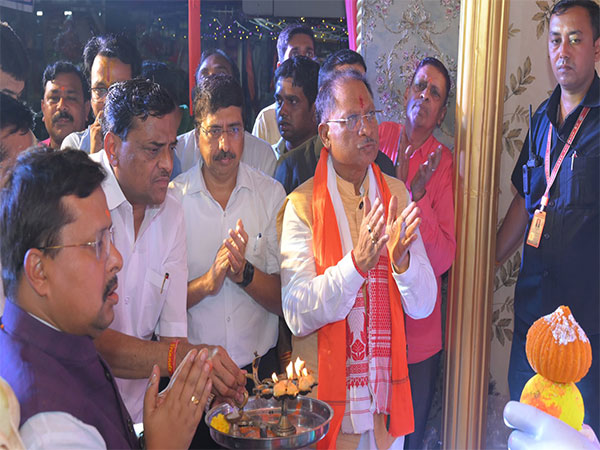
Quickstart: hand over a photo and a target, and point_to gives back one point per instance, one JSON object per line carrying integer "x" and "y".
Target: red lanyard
{"x": 550, "y": 177}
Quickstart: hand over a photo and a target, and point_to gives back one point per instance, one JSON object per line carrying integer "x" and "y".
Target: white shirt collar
{"x": 197, "y": 184}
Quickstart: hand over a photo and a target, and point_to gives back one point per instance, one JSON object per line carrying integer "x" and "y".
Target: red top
{"x": 424, "y": 336}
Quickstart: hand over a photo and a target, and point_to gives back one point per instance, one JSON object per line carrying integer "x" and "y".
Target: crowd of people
{"x": 149, "y": 247}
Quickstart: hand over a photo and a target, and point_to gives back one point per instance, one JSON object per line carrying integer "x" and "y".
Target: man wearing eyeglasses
{"x": 60, "y": 273}
{"x": 230, "y": 209}
{"x": 425, "y": 165}
{"x": 140, "y": 127}
{"x": 298, "y": 164}
{"x": 353, "y": 263}
{"x": 107, "y": 59}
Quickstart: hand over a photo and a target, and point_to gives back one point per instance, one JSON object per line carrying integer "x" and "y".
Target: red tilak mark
{"x": 362, "y": 102}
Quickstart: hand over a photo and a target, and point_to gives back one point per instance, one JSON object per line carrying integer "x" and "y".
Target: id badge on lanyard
{"x": 539, "y": 216}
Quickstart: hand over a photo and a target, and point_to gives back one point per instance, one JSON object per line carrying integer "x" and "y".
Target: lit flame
{"x": 298, "y": 364}
{"x": 290, "y": 371}
{"x": 275, "y": 379}
{"x": 304, "y": 372}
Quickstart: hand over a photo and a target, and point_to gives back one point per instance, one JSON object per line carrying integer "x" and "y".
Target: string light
{"x": 260, "y": 28}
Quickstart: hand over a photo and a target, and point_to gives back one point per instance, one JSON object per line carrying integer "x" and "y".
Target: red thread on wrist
{"x": 362, "y": 274}
{"x": 171, "y": 357}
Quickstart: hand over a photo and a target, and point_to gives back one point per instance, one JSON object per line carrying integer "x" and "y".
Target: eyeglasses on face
{"x": 353, "y": 120}
{"x": 102, "y": 244}
{"x": 215, "y": 133}
{"x": 99, "y": 92}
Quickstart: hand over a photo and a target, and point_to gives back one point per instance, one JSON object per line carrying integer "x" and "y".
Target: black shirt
{"x": 565, "y": 268}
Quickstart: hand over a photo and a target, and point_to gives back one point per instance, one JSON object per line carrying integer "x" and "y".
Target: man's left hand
{"x": 402, "y": 231}
{"x": 236, "y": 246}
{"x": 424, "y": 174}
{"x": 96, "y": 135}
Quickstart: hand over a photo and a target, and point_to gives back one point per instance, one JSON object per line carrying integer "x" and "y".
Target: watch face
{"x": 248, "y": 274}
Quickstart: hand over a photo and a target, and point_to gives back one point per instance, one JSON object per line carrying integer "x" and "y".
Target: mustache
{"x": 164, "y": 173}
{"x": 224, "y": 154}
{"x": 366, "y": 142}
{"x": 62, "y": 115}
{"x": 109, "y": 287}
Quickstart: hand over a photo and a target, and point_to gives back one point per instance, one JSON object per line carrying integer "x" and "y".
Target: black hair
{"x": 13, "y": 55}
{"x": 112, "y": 46}
{"x": 55, "y": 69}
{"x": 134, "y": 98}
{"x": 235, "y": 71}
{"x": 342, "y": 57}
{"x": 591, "y": 7}
{"x": 171, "y": 78}
{"x": 304, "y": 73}
{"x": 287, "y": 34}
{"x": 216, "y": 92}
{"x": 430, "y": 61}
{"x": 32, "y": 212}
{"x": 326, "y": 100}
{"x": 15, "y": 115}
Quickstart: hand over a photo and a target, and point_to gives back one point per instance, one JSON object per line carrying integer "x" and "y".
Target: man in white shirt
{"x": 140, "y": 126}
{"x": 230, "y": 209}
{"x": 60, "y": 273}
{"x": 107, "y": 59}
{"x": 353, "y": 262}
{"x": 257, "y": 153}
{"x": 294, "y": 40}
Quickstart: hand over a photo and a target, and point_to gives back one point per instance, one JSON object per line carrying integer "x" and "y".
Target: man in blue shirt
{"x": 559, "y": 216}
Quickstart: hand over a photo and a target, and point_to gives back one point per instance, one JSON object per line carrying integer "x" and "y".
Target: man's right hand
{"x": 228, "y": 379}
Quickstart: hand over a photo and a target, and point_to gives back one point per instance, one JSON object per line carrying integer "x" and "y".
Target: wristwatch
{"x": 248, "y": 275}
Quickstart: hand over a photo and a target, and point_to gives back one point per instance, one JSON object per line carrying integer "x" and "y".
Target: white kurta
{"x": 311, "y": 301}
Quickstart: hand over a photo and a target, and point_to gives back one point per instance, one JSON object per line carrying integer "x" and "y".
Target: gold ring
{"x": 373, "y": 240}
{"x": 195, "y": 400}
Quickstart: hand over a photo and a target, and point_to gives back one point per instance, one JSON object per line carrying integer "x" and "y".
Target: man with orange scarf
{"x": 353, "y": 262}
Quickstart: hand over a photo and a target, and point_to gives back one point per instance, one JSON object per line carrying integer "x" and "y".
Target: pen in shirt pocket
{"x": 164, "y": 281}
{"x": 258, "y": 236}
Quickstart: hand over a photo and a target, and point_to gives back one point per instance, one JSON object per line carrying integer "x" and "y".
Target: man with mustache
{"x": 107, "y": 59}
{"x": 230, "y": 209}
{"x": 425, "y": 165}
{"x": 66, "y": 102}
{"x": 257, "y": 153}
{"x": 556, "y": 210}
{"x": 60, "y": 273}
{"x": 353, "y": 263}
{"x": 140, "y": 131}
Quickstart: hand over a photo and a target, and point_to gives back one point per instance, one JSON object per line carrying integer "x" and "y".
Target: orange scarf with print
{"x": 327, "y": 248}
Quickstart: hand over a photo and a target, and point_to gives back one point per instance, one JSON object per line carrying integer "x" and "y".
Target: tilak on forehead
{"x": 361, "y": 101}
{"x": 107, "y": 68}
